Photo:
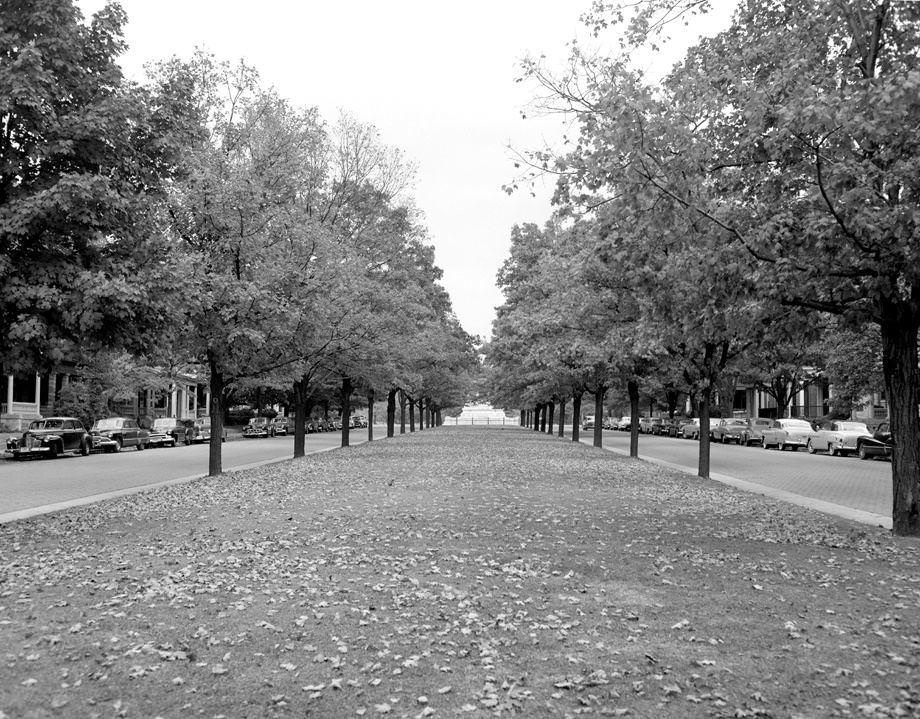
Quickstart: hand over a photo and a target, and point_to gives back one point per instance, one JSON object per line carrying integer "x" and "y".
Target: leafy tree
{"x": 84, "y": 158}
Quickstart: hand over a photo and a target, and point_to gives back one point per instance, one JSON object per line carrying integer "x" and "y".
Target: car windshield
{"x": 256, "y": 421}
{"x": 737, "y": 421}
{"x": 794, "y": 424}
{"x": 205, "y": 422}
{"x": 47, "y": 424}
{"x": 111, "y": 423}
{"x": 163, "y": 422}
{"x": 853, "y": 427}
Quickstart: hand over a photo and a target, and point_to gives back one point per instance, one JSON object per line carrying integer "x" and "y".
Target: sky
{"x": 437, "y": 80}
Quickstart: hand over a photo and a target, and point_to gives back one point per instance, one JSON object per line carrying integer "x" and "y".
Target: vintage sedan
{"x": 200, "y": 431}
{"x": 624, "y": 423}
{"x": 169, "y": 431}
{"x": 754, "y": 433}
{"x": 50, "y": 437}
{"x": 690, "y": 429}
{"x": 259, "y": 427}
{"x": 729, "y": 429}
{"x": 113, "y": 433}
{"x": 878, "y": 445}
{"x": 787, "y": 433}
{"x": 282, "y": 425}
{"x": 841, "y": 437}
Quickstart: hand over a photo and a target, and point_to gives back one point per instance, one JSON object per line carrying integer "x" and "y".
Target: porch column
{"x": 38, "y": 394}
{"x": 9, "y": 394}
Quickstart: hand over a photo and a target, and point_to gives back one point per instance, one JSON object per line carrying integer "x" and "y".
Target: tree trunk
{"x": 671, "y": 396}
{"x": 438, "y": 419}
{"x": 562, "y": 417}
{"x": 391, "y": 413}
{"x": 303, "y": 405}
{"x": 705, "y": 397}
{"x": 599, "y": 416}
{"x": 402, "y": 412}
{"x": 551, "y": 408}
{"x": 345, "y": 397}
{"x": 523, "y": 418}
{"x": 902, "y": 385}
{"x": 370, "y": 415}
{"x": 576, "y": 414}
{"x": 536, "y": 418}
{"x": 411, "y": 415}
{"x": 216, "y": 412}
{"x": 543, "y": 417}
{"x": 420, "y": 404}
{"x": 632, "y": 389}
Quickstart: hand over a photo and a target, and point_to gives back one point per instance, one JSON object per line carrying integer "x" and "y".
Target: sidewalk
{"x": 456, "y": 572}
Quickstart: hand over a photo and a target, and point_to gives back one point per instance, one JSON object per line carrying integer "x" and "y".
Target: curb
{"x": 838, "y": 510}
{"x": 93, "y": 498}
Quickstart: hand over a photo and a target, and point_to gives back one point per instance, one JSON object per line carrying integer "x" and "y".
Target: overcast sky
{"x": 437, "y": 79}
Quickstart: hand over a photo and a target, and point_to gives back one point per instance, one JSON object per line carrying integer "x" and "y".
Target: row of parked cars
{"x": 52, "y": 436}
{"x": 835, "y": 437}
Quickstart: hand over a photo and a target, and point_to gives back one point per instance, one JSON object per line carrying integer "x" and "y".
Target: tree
{"x": 85, "y": 158}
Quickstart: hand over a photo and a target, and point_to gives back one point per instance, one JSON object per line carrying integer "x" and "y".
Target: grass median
{"x": 456, "y": 572}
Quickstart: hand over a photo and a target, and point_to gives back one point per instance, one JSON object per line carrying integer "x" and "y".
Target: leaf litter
{"x": 537, "y": 576}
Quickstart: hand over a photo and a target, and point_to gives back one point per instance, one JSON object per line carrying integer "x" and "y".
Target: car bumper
{"x": 160, "y": 440}
{"x": 19, "y": 452}
{"x": 255, "y": 435}
{"x": 100, "y": 443}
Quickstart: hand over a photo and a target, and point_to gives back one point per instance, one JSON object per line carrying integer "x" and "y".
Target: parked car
{"x": 361, "y": 420}
{"x": 50, "y": 437}
{"x": 113, "y": 433}
{"x": 671, "y": 427}
{"x": 624, "y": 423}
{"x": 729, "y": 429}
{"x": 200, "y": 431}
{"x": 588, "y": 422}
{"x": 787, "y": 433}
{"x": 259, "y": 427}
{"x": 648, "y": 425}
{"x": 282, "y": 425}
{"x": 754, "y": 433}
{"x": 841, "y": 437}
{"x": 690, "y": 429}
{"x": 879, "y": 445}
{"x": 168, "y": 431}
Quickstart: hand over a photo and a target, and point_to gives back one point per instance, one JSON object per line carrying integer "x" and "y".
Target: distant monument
{"x": 481, "y": 414}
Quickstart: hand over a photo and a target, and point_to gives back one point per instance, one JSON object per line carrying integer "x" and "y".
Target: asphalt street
{"x": 28, "y": 484}
{"x": 864, "y": 485}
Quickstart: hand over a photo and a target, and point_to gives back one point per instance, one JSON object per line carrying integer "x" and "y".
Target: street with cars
{"x": 37, "y": 483}
{"x": 848, "y": 482}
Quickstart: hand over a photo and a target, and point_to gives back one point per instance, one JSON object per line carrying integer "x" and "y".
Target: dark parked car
{"x": 259, "y": 427}
{"x": 113, "y": 433}
{"x": 282, "y": 425}
{"x": 168, "y": 431}
{"x": 879, "y": 445}
{"x": 50, "y": 437}
{"x": 200, "y": 431}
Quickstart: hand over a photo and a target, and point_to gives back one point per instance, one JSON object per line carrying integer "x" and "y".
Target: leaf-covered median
{"x": 456, "y": 572}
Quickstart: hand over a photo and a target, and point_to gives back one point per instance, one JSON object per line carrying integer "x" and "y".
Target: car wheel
{"x": 810, "y": 447}
{"x": 831, "y": 450}
{"x": 118, "y": 444}
{"x": 863, "y": 454}
{"x": 781, "y": 446}
{"x": 139, "y": 446}
{"x": 84, "y": 448}
{"x": 763, "y": 443}
{"x": 52, "y": 450}
{"x": 724, "y": 439}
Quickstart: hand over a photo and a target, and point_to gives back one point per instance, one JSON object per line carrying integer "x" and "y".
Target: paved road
{"x": 37, "y": 483}
{"x": 864, "y": 485}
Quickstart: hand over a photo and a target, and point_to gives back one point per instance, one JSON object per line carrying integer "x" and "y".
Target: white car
{"x": 787, "y": 434}
{"x": 839, "y": 437}
{"x": 624, "y": 423}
